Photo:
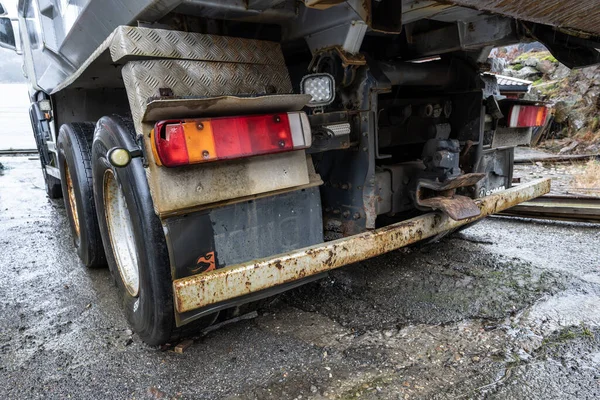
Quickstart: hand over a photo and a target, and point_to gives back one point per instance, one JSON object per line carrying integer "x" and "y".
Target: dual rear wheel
{"x": 74, "y": 157}
{"x": 132, "y": 234}
{"x": 113, "y": 223}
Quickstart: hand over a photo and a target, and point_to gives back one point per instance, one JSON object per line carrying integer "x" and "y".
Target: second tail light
{"x": 521, "y": 116}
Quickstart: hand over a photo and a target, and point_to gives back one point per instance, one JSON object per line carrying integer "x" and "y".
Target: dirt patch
{"x": 422, "y": 290}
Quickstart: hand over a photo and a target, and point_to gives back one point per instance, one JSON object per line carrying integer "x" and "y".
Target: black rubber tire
{"x": 151, "y": 312}
{"x": 74, "y": 154}
{"x": 53, "y": 186}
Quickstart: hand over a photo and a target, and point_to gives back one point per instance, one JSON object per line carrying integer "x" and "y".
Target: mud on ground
{"x": 507, "y": 309}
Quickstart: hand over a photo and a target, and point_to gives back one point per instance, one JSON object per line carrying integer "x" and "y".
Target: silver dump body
{"x": 63, "y": 34}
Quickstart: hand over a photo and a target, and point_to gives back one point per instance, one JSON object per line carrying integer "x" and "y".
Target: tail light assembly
{"x": 193, "y": 141}
{"x": 521, "y": 116}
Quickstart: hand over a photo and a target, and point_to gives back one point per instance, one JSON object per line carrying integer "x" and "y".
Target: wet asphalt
{"x": 507, "y": 309}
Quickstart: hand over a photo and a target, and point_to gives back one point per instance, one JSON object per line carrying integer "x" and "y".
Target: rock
{"x": 569, "y": 147}
{"x": 313, "y": 389}
{"x": 577, "y": 119}
{"x": 546, "y": 67}
{"x": 582, "y": 86}
{"x": 528, "y": 73}
{"x": 590, "y": 73}
{"x": 529, "y": 62}
{"x": 561, "y": 72}
{"x": 535, "y": 94}
{"x": 561, "y": 112}
{"x": 592, "y": 95}
{"x": 497, "y": 65}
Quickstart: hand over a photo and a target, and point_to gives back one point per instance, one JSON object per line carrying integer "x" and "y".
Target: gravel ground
{"x": 562, "y": 174}
{"x": 507, "y": 309}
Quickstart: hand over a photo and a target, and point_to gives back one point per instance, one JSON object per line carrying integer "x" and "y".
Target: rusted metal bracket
{"x": 442, "y": 196}
{"x": 216, "y": 286}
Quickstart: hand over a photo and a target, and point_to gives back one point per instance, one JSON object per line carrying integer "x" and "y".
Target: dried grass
{"x": 589, "y": 179}
{"x": 588, "y": 136}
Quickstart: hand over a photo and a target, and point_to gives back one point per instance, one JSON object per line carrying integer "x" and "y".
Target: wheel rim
{"x": 120, "y": 231}
{"x": 72, "y": 202}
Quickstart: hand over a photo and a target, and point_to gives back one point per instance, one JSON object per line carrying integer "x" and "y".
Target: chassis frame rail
{"x": 209, "y": 288}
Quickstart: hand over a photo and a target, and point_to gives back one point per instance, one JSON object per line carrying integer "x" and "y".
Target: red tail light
{"x": 242, "y": 137}
{"x": 527, "y": 116}
{"x": 171, "y": 144}
{"x": 182, "y": 142}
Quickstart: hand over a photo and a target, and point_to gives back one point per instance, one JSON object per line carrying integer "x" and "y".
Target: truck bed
{"x": 69, "y": 32}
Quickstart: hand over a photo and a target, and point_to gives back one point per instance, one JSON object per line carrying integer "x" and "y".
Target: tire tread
{"x": 82, "y": 135}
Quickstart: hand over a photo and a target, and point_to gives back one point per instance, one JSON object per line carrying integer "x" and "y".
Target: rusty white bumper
{"x": 237, "y": 280}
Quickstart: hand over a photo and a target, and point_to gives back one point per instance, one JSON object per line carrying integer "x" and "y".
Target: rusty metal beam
{"x": 237, "y": 280}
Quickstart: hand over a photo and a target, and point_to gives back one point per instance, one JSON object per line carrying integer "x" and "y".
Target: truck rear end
{"x": 213, "y": 154}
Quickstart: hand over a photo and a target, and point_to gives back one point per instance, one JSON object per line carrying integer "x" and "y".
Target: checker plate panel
{"x": 133, "y": 42}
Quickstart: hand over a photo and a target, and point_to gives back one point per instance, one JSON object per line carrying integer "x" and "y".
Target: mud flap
{"x": 212, "y": 239}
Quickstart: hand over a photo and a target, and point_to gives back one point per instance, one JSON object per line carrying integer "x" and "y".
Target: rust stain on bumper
{"x": 237, "y": 280}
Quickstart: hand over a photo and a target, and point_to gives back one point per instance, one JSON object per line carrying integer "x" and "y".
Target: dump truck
{"x": 213, "y": 153}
